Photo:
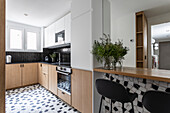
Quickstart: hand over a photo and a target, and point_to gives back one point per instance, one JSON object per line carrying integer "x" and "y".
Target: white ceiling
{"x": 123, "y": 7}
{"x": 40, "y": 12}
{"x": 161, "y": 32}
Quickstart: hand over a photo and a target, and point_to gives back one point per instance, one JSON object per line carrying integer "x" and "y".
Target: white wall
{"x": 123, "y": 28}
{"x": 96, "y": 34}
{"x": 80, "y": 7}
{"x": 81, "y": 57}
{"x": 97, "y": 30}
{"x": 106, "y": 16}
{"x": 81, "y": 33}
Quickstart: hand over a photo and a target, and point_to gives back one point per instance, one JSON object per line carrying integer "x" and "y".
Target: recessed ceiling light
{"x": 25, "y": 14}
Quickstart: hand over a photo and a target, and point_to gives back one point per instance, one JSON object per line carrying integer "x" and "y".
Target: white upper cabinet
{"x": 68, "y": 28}
{"x": 62, "y": 24}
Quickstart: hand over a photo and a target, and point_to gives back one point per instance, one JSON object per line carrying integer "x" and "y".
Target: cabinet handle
{"x": 40, "y": 65}
{"x": 22, "y": 65}
{"x": 145, "y": 57}
{"x": 63, "y": 93}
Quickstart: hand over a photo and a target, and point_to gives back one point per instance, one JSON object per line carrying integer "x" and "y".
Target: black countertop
{"x": 56, "y": 64}
{"x": 32, "y": 62}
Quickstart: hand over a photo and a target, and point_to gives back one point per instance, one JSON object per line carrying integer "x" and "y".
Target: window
{"x": 31, "y": 41}
{"x": 15, "y": 39}
{"x": 23, "y": 38}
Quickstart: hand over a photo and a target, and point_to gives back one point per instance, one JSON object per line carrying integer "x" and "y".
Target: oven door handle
{"x": 63, "y": 73}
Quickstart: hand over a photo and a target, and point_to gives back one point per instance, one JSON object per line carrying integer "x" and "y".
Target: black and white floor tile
{"x": 133, "y": 85}
{"x": 35, "y": 99}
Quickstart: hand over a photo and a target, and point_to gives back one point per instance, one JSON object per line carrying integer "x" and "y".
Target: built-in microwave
{"x": 60, "y": 37}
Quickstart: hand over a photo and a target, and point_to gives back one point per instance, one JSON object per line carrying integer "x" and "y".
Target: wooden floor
{"x": 2, "y": 56}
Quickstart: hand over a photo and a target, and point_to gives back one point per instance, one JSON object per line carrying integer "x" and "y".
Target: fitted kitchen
{"x": 39, "y": 73}
{"x": 86, "y": 56}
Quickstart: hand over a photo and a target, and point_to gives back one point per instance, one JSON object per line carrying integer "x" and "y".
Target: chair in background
{"x": 115, "y": 92}
{"x": 156, "y": 101}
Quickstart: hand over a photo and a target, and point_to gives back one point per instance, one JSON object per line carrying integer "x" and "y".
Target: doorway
{"x": 160, "y": 46}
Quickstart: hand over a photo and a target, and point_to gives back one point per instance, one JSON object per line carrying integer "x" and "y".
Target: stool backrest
{"x": 112, "y": 90}
{"x": 156, "y": 101}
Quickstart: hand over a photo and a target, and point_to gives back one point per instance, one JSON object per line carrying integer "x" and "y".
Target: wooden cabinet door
{"x": 29, "y": 74}
{"x": 45, "y": 76}
{"x": 82, "y": 90}
{"x": 53, "y": 79}
{"x": 13, "y": 76}
{"x": 40, "y": 73}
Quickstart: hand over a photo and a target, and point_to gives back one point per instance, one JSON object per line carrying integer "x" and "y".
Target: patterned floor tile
{"x": 35, "y": 99}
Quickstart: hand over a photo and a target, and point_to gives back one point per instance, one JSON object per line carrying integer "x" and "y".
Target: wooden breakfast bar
{"x": 135, "y": 80}
{"x": 152, "y": 74}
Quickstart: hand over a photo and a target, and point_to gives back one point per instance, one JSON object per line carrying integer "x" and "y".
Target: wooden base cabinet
{"x": 45, "y": 76}
{"x": 40, "y": 73}
{"x": 13, "y": 76}
{"x": 81, "y": 83}
{"x": 29, "y": 74}
{"x": 64, "y": 96}
{"x": 53, "y": 79}
{"x": 18, "y": 75}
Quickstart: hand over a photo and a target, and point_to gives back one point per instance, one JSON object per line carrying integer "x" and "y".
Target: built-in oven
{"x": 64, "y": 79}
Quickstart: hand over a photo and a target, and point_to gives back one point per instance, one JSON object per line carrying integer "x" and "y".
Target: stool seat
{"x": 156, "y": 101}
{"x": 115, "y": 92}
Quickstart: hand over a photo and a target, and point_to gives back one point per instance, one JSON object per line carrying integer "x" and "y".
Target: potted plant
{"x": 118, "y": 53}
{"x": 109, "y": 53}
{"x": 53, "y": 56}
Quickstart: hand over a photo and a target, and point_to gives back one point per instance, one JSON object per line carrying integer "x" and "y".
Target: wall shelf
{"x": 141, "y": 40}
{"x": 139, "y": 32}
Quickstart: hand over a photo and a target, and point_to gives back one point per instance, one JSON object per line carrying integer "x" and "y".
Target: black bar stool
{"x": 156, "y": 101}
{"x": 115, "y": 92}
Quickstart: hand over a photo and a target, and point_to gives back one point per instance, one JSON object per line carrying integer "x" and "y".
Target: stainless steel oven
{"x": 64, "y": 78}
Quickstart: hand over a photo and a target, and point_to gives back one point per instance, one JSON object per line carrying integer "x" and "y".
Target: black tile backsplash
{"x": 39, "y": 57}
{"x": 25, "y": 56}
{"x": 65, "y": 53}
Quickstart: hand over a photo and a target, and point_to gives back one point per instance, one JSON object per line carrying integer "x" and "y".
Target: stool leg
{"x": 100, "y": 104}
{"x": 132, "y": 107}
{"x": 111, "y": 106}
{"x": 123, "y": 107}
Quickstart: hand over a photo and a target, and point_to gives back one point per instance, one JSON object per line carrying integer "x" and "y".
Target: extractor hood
{"x": 60, "y": 46}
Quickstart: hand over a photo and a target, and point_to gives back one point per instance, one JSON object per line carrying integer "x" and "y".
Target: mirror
{"x": 120, "y": 22}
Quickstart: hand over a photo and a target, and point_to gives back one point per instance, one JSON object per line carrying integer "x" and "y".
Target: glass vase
{"x": 108, "y": 63}
{"x": 117, "y": 64}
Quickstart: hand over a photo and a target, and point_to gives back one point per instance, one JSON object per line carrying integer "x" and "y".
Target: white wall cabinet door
{"x": 51, "y": 30}
{"x": 60, "y": 26}
{"x": 46, "y": 41}
{"x": 68, "y": 28}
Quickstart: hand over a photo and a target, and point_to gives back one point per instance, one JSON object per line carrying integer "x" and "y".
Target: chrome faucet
{"x": 59, "y": 57}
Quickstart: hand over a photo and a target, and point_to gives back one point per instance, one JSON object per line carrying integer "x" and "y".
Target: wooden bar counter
{"x": 152, "y": 74}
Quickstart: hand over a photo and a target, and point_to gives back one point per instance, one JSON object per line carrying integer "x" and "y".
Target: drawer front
{"x": 44, "y": 68}
{"x": 64, "y": 96}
